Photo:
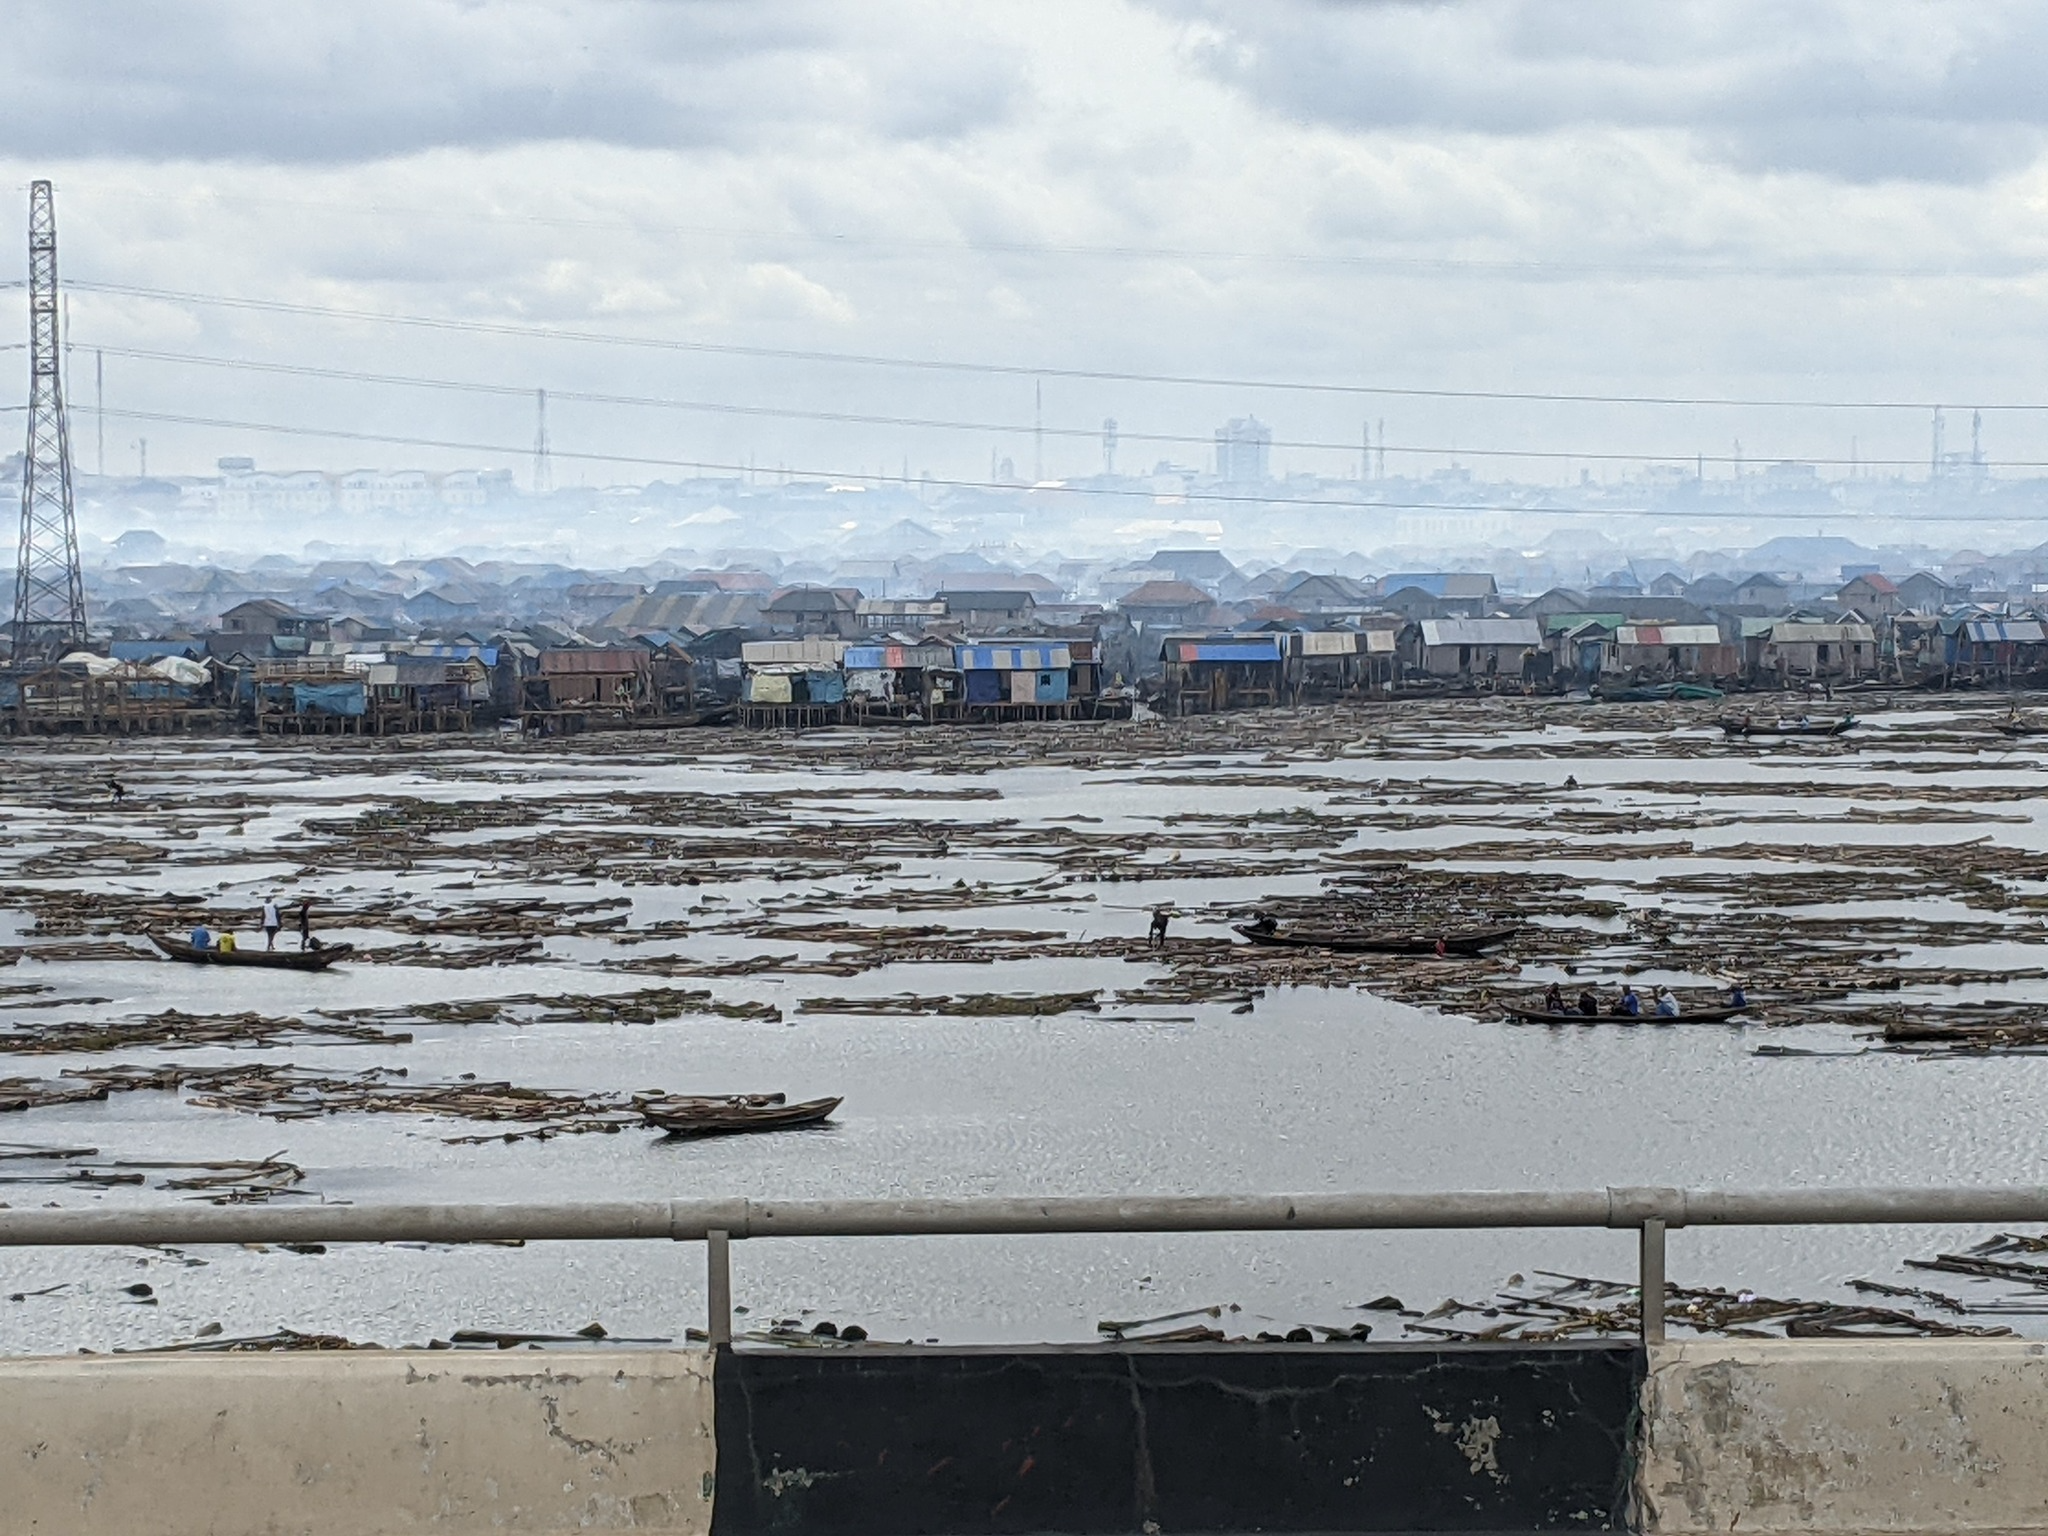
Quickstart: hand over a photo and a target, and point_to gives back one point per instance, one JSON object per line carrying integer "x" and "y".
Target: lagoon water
{"x": 1311, "y": 1091}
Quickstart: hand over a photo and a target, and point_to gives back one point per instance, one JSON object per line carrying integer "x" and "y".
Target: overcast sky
{"x": 1793, "y": 200}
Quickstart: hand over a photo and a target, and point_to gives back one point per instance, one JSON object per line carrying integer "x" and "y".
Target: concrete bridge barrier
{"x": 1915, "y": 1437}
{"x": 1909, "y": 1435}
{"x": 369, "y": 1443}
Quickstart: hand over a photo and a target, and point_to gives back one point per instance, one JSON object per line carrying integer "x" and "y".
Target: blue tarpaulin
{"x": 985, "y": 687}
{"x": 327, "y": 698}
{"x": 825, "y": 687}
{"x": 1229, "y": 650}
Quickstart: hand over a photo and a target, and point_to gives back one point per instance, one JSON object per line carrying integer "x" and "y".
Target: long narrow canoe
{"x": 2020, "y": 728}
{"x": 1788, "y": 727}
{"x": 1468, "y": 941}
{"x": 686, "y": 1116}
{"x": 1647, "y": 1016}
{"x": 273, "y": 959}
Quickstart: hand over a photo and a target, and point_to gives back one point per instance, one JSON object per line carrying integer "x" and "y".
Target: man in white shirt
{"x": 271, "y": 922}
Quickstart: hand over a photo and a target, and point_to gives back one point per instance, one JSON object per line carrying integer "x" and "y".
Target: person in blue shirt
{"x": 1737, "y": 998}
{"x": 201, "y": 939}
{"x": 1630, "y": 1003}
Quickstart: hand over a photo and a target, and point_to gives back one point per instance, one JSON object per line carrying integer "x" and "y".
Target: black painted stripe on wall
{"x": 880, "y": 1441}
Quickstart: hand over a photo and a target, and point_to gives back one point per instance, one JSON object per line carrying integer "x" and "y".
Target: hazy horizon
{"x": 461, "y": 204}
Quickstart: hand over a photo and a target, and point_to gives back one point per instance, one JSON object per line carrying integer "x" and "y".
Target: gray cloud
{"x": 1860, "y": 92}
{"x": 253, "y": 80}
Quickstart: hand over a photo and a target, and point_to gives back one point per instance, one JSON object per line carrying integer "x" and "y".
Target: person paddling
{"x": 305, "y": 924}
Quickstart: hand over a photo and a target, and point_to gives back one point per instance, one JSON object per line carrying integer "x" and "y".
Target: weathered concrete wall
{"x": 1179, "y": 1438}
{"x": 358, "y": 1444}
{"x": 1825, "y": 1435}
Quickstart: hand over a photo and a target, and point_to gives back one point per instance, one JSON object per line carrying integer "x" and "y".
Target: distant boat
{"x": 274, "y": 959}
{"x": 690, "y": 1116}
{"x": 1647, "y": 1016}
{"x": 1787, "y": 727}
{"x": 2017, "y": 727}
{"x": 1660, "y": 693}
{"x": 1466, "y": 941}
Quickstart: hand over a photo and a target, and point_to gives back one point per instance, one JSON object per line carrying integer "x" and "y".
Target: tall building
{"x": 1244, "y": 445}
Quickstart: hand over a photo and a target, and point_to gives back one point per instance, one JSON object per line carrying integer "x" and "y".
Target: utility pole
{"x": 1934, "y": 456}
{"x": 1383, "y": 447}
{"x": 49, "y": 592}
{"x": 99, "y": 410}
{"x": 543, "y": 473}
{"x": 1037, "y": 431}
{"x": 1108, "y": 445}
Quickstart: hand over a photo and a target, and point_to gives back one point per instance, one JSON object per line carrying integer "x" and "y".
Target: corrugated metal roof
{"x": 1045, "y": 656}
{"x": 1667, "y": 634}
{"x": 1260, "y": 649}
{"x": 891, "y": 658}
{"x": 1563, "y": 623}
{"x": 1480, "y": 632}
{"x": 2016, "y": 631}
{"x": 1452, "y": 584}
{"x": 813, "y": 652}
{"x": 586, "y": 663}
{"x": 1336, "y": 642}
{"x": 1822, "y": 634}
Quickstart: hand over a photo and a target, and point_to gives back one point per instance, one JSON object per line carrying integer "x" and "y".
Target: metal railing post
{"x": 718, "y": 1265}
{"x": 1651, "y": 1279}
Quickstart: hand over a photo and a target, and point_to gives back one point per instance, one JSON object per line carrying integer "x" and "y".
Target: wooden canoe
{"x": 687, "y": 1116}
{"x": 2020, "y": 728}
{"x": 273, "y": 959}
{"x": 1788, "y": 727}
{"x": 1467, "y": 941}
{"x": 1647, "y": 1016}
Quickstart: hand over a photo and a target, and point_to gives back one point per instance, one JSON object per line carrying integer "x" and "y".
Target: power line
{"x": 1005, "y": 370}
{"x": 861, "y": 418}
{"x": 1150, "y": 498}
{"x": 953, "y": 243}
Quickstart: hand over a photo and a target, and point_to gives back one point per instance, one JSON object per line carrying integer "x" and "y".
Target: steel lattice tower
{"x": 49, "y": 594}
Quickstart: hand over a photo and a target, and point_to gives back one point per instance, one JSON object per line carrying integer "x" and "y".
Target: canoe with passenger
{"x": 272, "y": 959}
{"x": 1450, "y": 941}
{"x": 1746, "y": 726}
{"x": 732, "y": 1114}
{"x": 1629, "y": 1007}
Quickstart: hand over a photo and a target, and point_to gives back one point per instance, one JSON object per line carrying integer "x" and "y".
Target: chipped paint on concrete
{"x": 358, "y": 1444}
{"x": 1902, "y": 1435}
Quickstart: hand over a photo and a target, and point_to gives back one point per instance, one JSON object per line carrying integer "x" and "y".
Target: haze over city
{"x": 942, "y": 246}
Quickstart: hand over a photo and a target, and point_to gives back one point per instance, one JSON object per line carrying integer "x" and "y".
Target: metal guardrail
{"x": 1651, "y": 1212}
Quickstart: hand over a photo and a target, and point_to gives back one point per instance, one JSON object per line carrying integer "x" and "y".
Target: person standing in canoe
{"x": 272, "y": 921}
{"x": 1161, "y": 916}
{"x": 305, "y": 923}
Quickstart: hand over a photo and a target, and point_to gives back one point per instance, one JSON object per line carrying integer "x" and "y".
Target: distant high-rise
{"x": 49, "y": 594}
{"x": 1109, "y": 445}
{"x": 1244, "y": 445}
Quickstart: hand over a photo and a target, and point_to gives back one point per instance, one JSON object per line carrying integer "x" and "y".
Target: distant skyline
{"x": 1822, "y": 203}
